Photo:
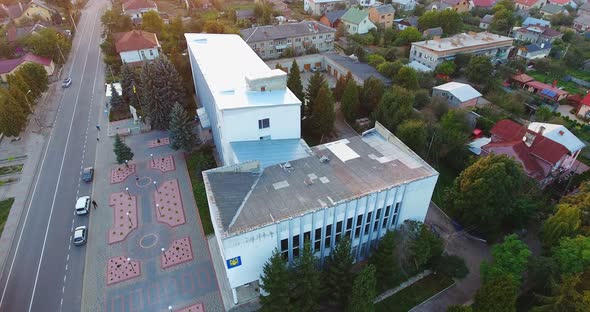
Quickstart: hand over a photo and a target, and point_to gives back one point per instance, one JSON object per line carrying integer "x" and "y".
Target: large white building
{"x": 273, "y": 191}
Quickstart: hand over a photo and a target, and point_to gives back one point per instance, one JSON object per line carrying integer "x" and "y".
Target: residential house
{"x": 583, "y": 109}
{"x": 35, "y": 9}
{"x": 551, "y": 9}
{"x": 438, "y": 6}
{"x": 8, "y": 67}
{"x": 531, "y": 21}
{"x": 584, "y": 9}
{"x": 366, "y": 3}
{"x": 434, "y": 52}
{"x": 14, "y": 33}
{"x": 582, "y": 23}
{"x": 562, "y": 3}
{"x": 484, "y": 4}
{"x": 136, "y": 8}
{"x": 534, "y": 51}
{"x": 519, "y": 80}
{"x": 357, "y": 21}
{"x": 486, "y": 21}
{"x": 545, "y": 91}
{"x": 536, "y": 34}
{"x": 403, "y": 23}
{"x": 526, "y": 5}
{"x": 136, "y": 46}
{"x": 457, "y": 95}
{"x": 459, "y": 6}
{"x": 332, "y": 18}
{"x": 246, "y": 15}
{"x": 545, "y": 151}
{"x": 271, "y": 40}
{"x": 432, "y": 32}
{"x": 319, "y": 7}
{"x": 404, "y": 5}
{"x": 382, "y": 15}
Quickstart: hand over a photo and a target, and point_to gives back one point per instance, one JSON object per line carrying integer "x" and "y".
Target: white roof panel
{"x": 559, "y": 134}
{"x": 463, "y": 92}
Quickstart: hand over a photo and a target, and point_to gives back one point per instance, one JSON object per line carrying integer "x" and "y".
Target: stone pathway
{"x": 181, "y": 251}
{"x": 121, "y": 173}
{"x": 120, "y": 269}
{"x": 164, "y": 163}
{"x": 159, "y": 142}
{"x": 169, "y": 208}
{"x": 193, "y": 308}
{"x": 125, "y": 216}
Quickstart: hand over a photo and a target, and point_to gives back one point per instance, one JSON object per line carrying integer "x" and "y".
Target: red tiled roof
{"x": 519, "y": 151}
{"x": 527, "y": 2}
{"x": 524, "y": 78}
{"x": 544, "y": 86}
{"x": 560, "y": 2}
{"x": 139, "y": 4}
{"x": 550, "y": 32}
{"x": 7, "y": 66}
{"x": 484, "y": 3}
{"x": 135, "y": 40}
{"x": 586, "y": 100}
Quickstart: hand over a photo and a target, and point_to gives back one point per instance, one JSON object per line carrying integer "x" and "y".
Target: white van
{"x": 82, "y": 205}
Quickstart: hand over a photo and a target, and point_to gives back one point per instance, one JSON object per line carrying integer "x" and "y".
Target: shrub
{"x": 451, "y": 265}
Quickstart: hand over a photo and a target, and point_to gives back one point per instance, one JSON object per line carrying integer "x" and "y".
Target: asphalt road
{"x": 44, "y": 271}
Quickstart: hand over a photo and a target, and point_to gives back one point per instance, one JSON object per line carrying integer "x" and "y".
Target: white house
{"x": 136, "y": 46}
{"x": 357, "y": 21}
{"x": 406, "y": 5}
{"x": 534, "y": 51}
{"x": 136, "y": 8}
{"x": 457, "y": 95}
{"x": 319, "y": 7}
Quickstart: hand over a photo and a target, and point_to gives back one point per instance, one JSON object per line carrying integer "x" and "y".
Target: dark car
{"x": 88, "y": 174}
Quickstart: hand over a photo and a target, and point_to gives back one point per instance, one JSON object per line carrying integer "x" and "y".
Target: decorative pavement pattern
{"x": 159, "y": 142}
{"x": 119, "y": 174}
{"x": 163, "y": 163}
{"x": 169, "y": 208}
{"x": 125, "y": 216}
{"x": 193, "y": 308}
{"x": 181, "y": 251}
{"x": 119, "y": 270}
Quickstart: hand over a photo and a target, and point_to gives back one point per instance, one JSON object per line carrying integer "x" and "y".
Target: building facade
{"x": 136, "y": 46}
{"x": 382, "y": 15}
{"x": 136, "y": 8}
{"x": 270, "y": 41}
{"x": 357, "y": 21}
{"x": 8, "y": 67}
{"x": 432, "y": 53}
{"x": 457, "y": 95}
{"x": 534, "y": 51}
{"x": 319, "y": 7}
{"x": 537, "y": 34}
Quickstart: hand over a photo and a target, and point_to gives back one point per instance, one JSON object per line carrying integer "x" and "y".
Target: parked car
{"x": 82, "y": 205}
{"x": 66, "y": 83}
{"x": 80, "y": 235}
{"x": 88, "y": 174}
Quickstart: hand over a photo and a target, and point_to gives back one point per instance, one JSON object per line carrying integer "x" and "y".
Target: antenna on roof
{"x": 286, "y": 166}
{"x": 324, "y": 159}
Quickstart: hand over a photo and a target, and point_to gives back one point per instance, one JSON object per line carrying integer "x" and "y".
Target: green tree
{"x": 408, "y": 35}
{"x": 490, "y": 193}
{"x": 447, "y": 68}
{"x": 566, "y": 296}
{"x": 122, "y": 151}
{"x": 407, "y": 78}
{"x": 35, "y": 77}
{"x": 17, "y": 81}
{"x": 423, "y": 246}
{"x": 504, "y": 5}
{"x": 385, "y": 262}
{"x": 350, "y": 101}
{"x": 181, "y": 129}
{"x": 114, "y": 20}
{"x": 294, "y": 83}
{"x": 314, "y": 85}
{"x": 116, "y": 101}
{"x": 449, "y": 20}
{"x": 323, "y": 115}
{"x": 479, "y": 69}
{"x": 167, "y": 89}
{"x": 510, "y": 258}
{"x": 375, "y": 60}
{"x": 572, "y": 254}
{"x": 339, "y": 88}
{"x": 307, "y": 289}
{"x": 129, "y": 86}
{"x": 338, "y": 273}
{"x": 564, "y": 223}
{"x": 421, "y": 99}
{"x": 497, "y": 295}
{"x": 13, "y": 119}
{"x": 214, "y": 27}
{"x": 371, "y": 92}
{"x": 390, "y": 69}
{"x": 48, "y": 42}
{"x": 414, "y": 134}
{"x": 451, "y": 265}
{"x": 543, "y": 114}
{"x": 276, "y": 282}
{"x": 363, "y": 291}
{"x": 394, "y": 107}
{"x": 152, "y": 22}
{"x": 459, "y": 308}
{"x": 502, "y": 22}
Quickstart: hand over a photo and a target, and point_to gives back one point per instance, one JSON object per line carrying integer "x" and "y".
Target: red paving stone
{"x": 120, "y": 173}
{"x": 199, "y": 307}
{"x": 163, "y": 164}
{"x": 119, "y": 270}
{"x": 122, "y": 203}
{"x": 155, "y": 143}
{"x": 169, "y": 210}
{"x": 181, "y": 251}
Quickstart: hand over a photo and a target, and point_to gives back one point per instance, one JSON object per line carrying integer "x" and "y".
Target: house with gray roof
{"x": 382, "y": 15}
{"x": 270, "y": 41}
{"x": 551, "y": 9}
{"x": 486, "y": 21}
{"x": 534, "y": 51}
{"x": 357, "y": 21}
{"x": 433, "y": 32}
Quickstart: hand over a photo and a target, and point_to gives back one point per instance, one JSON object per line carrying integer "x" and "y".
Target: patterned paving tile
{"x": 125, "y": 216}
{"x": 119, "y": 270}
{"x": 120, "y": 173}
{"x": 181, "y": 251}
{"x": 169, "y": 208}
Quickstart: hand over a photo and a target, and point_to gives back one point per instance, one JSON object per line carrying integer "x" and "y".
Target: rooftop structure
{"x": 457, "y": 94}
{"x": 529, "y": 21}
{"x": 135, "y": 40}
{"x": 9, "y": 66}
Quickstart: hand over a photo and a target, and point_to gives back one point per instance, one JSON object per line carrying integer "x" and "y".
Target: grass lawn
{"x": 415, "y": 294}
{"x": 445, "y": 179}
{"x": 568, "y": 86}
{"x": 4, "y": 211}
{"x": 197, "y": 162}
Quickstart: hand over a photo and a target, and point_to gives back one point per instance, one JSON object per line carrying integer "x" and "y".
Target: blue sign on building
{"x": 234, "y": 262}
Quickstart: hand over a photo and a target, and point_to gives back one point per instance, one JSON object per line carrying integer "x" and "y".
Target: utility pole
{"x": 31, "y": 109}
{"x": 61, "y": 53}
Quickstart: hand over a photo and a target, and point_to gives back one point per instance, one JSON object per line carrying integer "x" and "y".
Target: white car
{"x": 80, "y": 235}
{"x": 82, "y": 205}
{"x": 66, "y": 83}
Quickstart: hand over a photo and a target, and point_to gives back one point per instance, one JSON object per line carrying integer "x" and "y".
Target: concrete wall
{"x": 242, "y": 124}
{"x": 137, "y": 56}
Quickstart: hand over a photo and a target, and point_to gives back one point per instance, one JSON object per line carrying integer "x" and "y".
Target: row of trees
{"x": 16, "y": 100}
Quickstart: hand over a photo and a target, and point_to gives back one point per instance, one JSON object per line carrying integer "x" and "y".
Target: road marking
{"x": 68, "y": 258}
{"x": 60, "y": 171}
{"x": 66, "y": 270}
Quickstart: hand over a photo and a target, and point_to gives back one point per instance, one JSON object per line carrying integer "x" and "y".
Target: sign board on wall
{"x": 234, "y": 262}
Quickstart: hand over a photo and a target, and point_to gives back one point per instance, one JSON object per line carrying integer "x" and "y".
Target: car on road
{"x": 88, "y": 174}
{"x": 82, "y": 205}
{"x": 80, "y": 235}
{"x": 66, "y": 83}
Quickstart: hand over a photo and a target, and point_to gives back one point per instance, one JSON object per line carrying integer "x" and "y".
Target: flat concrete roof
{"x": 225, "y": 60}
{"x": 464, "y": 40}
{"x": 243, "y": 200}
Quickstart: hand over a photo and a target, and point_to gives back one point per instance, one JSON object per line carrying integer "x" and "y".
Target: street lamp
{"x": 169, "y": 308}
{"x": 129, "y": 261}
{"x": 126, "y": 163}
{"x": 156, "y": 186}
{"x": 128, "y": 194}
{"x": 152, "y": 156}
{"x": 129, "y": 217}
{"x": 158, "y": 209}
{"x": 164, "y": 253}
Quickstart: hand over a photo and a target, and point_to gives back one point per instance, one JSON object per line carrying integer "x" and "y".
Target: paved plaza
{"x": 146, "y": 249}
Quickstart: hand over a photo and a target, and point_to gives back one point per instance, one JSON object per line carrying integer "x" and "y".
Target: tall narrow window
{"x": 264, "y": 123}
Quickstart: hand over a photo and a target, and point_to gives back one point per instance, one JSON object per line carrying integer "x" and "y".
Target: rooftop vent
{"x": 286, "y": 166}
{"x": 324, "y": 159}
{"x": 528, "y": 139}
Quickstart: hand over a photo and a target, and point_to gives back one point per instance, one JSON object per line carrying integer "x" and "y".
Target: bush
{"x": 451, "y": 265}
